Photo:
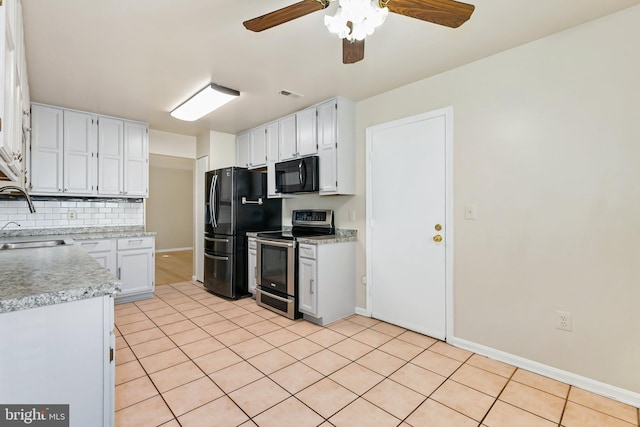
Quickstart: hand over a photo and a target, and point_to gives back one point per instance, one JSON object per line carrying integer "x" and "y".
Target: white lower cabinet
{"x": 252, "y": 265}
{"x": 326, "y": 281}
{"x": 61, "y": 354}
{"x": 102, "y": 251}
{"x": 131, "y": 260}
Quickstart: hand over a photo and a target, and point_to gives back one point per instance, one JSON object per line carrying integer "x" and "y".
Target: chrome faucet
{"x": 8, "y": 224}
{"x": 32, "y": 209}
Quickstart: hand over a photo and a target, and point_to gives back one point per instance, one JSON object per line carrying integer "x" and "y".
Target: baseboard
{"x": 363, "y": 312}
{"x": 603, "y": 389}
{"x": 159, "y": 251}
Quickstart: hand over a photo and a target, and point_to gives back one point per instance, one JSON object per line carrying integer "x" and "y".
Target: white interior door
{"x": 202, "y": 166}
{"x": 406, "y": 210}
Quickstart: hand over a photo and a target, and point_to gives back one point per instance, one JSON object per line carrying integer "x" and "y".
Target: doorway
{"x": 409, "y": 222}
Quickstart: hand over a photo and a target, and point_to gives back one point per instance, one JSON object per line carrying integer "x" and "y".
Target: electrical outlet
{"x": 564, "y": 321}
{"x": 72, "y": 214}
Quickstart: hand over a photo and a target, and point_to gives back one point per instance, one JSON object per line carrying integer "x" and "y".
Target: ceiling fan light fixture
{"x": 209, "y": 98}
{"x": 364, "y": 15}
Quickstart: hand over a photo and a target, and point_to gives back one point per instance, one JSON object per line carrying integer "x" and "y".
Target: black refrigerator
{"x": 235, "y": 202}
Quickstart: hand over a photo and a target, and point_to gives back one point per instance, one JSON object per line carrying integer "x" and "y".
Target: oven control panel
{"x": 317, "y": 217}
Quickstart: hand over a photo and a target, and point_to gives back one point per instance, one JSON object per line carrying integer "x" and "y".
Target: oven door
{"x": 275, "y": 263}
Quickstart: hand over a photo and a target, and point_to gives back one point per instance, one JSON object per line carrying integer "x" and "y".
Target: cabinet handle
{"x": 311, "y": 286}
{"x": 119, "y": 273}
{"x": 59, "y": 190}
{"x": 66, "y": 189}
{"x": 255, "y": 272}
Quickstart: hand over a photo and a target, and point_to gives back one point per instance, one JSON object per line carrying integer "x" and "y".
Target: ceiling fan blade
{"x": 352, "y": 52}
{"x": 285, "y": 14}
{"x": 449, "y": 13}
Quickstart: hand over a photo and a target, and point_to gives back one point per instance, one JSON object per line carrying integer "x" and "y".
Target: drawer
{"x": 135, "y": 243}
{"x": 252, "y": 243}
{"x": 102, "y": 245}
{"x": 307, "y": 251}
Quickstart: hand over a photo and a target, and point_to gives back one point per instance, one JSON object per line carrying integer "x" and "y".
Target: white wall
{"x": 219, "y": 146}
{"x": 546, "y": 145}
{"x": 172, "y": 144}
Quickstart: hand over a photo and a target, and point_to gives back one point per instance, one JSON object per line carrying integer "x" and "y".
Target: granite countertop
{"x": 86, "y": 233}
{"x": 44, "y": 276}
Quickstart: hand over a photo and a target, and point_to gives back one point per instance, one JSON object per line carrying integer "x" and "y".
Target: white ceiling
{"x": 138, "y": 59}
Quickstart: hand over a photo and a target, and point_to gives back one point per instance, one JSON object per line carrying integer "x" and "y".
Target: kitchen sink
{"x": 35, "y": 244}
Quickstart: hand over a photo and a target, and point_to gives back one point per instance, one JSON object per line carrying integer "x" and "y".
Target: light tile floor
{"x": 188, "y": 358}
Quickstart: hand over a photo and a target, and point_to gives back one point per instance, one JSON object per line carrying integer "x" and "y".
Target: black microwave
{"x": 298, "y": 176}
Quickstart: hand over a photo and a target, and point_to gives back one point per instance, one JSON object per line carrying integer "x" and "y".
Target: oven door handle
{"x": 274, "y": 243}
{"x": 270, "y": 295}
{"x": 219, "y": 258}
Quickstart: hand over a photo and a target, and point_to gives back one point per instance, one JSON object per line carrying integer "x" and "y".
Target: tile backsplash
{"x": 87, "y": 213}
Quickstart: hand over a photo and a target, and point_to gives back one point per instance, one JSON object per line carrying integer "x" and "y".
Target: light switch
{"x": 470, "y": 212}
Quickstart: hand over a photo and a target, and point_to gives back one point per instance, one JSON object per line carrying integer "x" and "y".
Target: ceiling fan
{"x": 356, "y": 19}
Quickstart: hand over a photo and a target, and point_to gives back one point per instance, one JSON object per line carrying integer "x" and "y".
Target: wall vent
{"x": 290, "y": 94}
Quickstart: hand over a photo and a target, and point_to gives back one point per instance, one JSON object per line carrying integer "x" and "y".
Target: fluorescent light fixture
{"x": 205, "y": 101}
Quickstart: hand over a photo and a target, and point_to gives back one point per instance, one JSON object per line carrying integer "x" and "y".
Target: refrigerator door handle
{"x": 212, "y": 201}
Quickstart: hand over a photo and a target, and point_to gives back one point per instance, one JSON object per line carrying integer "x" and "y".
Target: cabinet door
{"x": 273, "y": 138}
{"x": 242, "y": 150}
{"x": 258, "y": 147}
{"x": 327, "y": 146}
{"x": 110, "y": 156}
{"x": 136, "y": 170}
{"x": 46, "y": 149}
{"x": 306, "y": 132}
{"x": 287, "y": 140}
{"x": 80, "y": 146}
{"x": 135, "y": 271}
{"x": 106, "y": 260}
{"x": 103, "y": 251}
{"x": 307, "y": 289}
{"x": 60, "y": 353}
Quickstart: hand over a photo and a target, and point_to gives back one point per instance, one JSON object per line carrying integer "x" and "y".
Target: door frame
{"x": 200, "y": 168}
{"x": 447, "y": 112}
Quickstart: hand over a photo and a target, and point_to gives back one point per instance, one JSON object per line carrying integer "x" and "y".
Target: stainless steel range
{"x": 277, "y": 260}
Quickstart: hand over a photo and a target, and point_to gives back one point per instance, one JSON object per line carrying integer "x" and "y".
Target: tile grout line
{"x": 344, "y": 337}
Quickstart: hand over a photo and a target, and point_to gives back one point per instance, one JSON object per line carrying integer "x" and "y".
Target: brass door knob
{"x": 437, "y": 238}
{"x": 438, "y": 227}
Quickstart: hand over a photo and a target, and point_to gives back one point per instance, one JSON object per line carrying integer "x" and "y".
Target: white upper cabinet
{"x": 123, "y": 158}
{"x": 258, "y": 147}
{"x": 306, "y": 132}
{"x": 47, "y": 155}
{"x": 336, "y": 146}
{"x": 242, "y": 150}
{"x": 80, "y": 146}
{"x": 136, "y": 159}
{"x": 13, "y": 82}
{"x": 288, "y": 148}
{"x": 110, "y": 157}
{"x": 75, "y": 153}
